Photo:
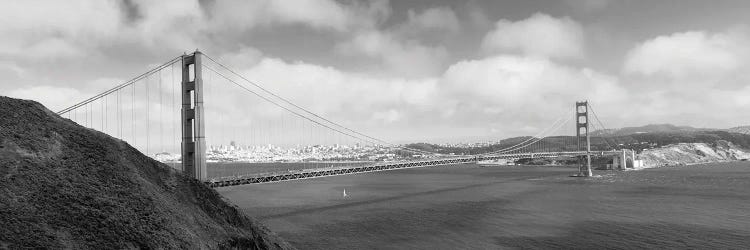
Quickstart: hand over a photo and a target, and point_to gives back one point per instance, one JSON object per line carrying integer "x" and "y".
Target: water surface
{"x": 467, "y": 206}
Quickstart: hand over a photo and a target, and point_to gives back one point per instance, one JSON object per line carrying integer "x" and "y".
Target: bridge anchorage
{"x": 249, "y": 123}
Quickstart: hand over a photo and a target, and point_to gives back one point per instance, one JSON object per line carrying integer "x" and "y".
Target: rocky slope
{"x": 66, "y": 186}
{"x": 740, "y": 130}
{"x": 692, "y": 153}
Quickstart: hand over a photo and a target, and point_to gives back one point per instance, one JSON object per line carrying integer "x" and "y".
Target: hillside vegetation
{"x": 66, "y": 186}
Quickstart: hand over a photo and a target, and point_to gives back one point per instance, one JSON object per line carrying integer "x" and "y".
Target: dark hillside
{"x": 66, "y": 186}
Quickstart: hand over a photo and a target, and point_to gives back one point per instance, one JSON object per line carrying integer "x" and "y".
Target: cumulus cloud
{"x": 521, "y": 83}
{"x": 241, "y": 58}
{"x": 68, "y": 29}
{"x": 387, "y": 116}
{"x": 317, "y": 13}
{"x": 688, "y": 54}
{"x": 538, "y": 35}
{"x": 166, "y": 24}
{"x": 321, "y": 14}
{"x": 502, "y": 89}
{"x": 408, "y": 58}
{"x": 498, "y": 95}
{"x": 370, "y": 104}
{"x": 403, "y": 49}
{"x": 54, "y": 98}
{"x": 679, "y": 78}
{"x": 331, "y": 91}
{"x": 589, "y": 5}
{"x": 55, "y": 29}
{"x": 437, "y": 18}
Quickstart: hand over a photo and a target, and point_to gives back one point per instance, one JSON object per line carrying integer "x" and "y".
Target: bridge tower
{"x": 193, "y": 134}
{"x": 582, "y": 136}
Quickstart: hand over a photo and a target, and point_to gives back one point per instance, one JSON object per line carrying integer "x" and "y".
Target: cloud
{"x": 370, "y": 104}
{"x": 688, "y": 54}
{"x": 417, "y": 85}
{"x": 504, "y": 94}
{"x": 166, "y": 24}
{"x": 589, "y": 5}
{"x": 508, "y": 92}
{"x": 538, "y": 35}
{"x": 11, "y": 71}
{"x": 402, "y": 49}
{"x": 237, "y": 15}
{"x": 476, "y": 15}
{"x": 52, "y": 30}
{"x": 57, "y": 98}
{"x": 55, "y": 29}
{"x": 331, "y": 91}
{"x": 679, "y": 78}
{"x": 407, "y": 58}
{"x": 242, "y": 58}
{"x": 387, "y": 116}
{"x": 316, "y": 13}
{"x": 54, "y": 98}
{"x": 437, "y": 18}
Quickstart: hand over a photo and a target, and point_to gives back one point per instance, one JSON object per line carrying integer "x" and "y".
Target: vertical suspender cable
{"x": 161, "y": 116}
{"x": 106, "y": 115}
{"x": 101, "y": 114}
{"x": 148, "y": 115}
{"x": 132, "y": 114}
{"x": 117, "y": 112}
{"x": 174, "y": 131}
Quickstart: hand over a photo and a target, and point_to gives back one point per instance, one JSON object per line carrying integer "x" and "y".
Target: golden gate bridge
{"x": 189, "y": 110}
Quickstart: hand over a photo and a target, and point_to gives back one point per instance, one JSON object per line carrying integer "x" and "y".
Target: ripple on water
{"x": 464, "y": 206}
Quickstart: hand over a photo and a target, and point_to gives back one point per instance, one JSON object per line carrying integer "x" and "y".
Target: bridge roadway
{"x": 322, "y": 172}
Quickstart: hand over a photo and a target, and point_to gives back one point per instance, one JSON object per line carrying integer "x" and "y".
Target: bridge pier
{"x": 193, "y": 134}
{"x": 625, "y": 160}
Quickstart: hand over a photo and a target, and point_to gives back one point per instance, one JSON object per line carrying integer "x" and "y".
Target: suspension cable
{"x": 301, "y": 115}
{"x": 118, "y": 87}
{"x": 604, "y": 129}
{"x": 535, "y": 137}
{"x": 301, "y": 108}
{"x": 538, "y": 139}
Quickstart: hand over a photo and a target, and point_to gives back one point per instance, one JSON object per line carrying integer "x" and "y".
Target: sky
{"x": 407, "y": 70}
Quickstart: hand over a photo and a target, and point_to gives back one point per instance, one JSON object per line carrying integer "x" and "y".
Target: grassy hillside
{"x": 66, "y": 186}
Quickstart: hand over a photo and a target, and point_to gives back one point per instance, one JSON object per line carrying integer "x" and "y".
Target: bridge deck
{"x": 315, "y": 173}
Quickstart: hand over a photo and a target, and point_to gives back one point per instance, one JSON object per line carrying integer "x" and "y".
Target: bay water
{"x": 509, "y": 207}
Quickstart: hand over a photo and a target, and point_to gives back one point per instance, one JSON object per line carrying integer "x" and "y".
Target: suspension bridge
{"x": 211, "y": 122}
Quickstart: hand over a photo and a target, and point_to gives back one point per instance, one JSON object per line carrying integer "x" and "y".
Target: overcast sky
{"x": 408, "y": 70}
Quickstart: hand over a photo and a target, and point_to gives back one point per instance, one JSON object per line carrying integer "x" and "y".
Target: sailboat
{"x": 344, "y": 194}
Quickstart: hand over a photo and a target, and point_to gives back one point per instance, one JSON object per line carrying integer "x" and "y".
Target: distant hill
{"x": 651, "y": 128}
{"x": 637, "y": 138}
{"x": 63, "y": 186}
